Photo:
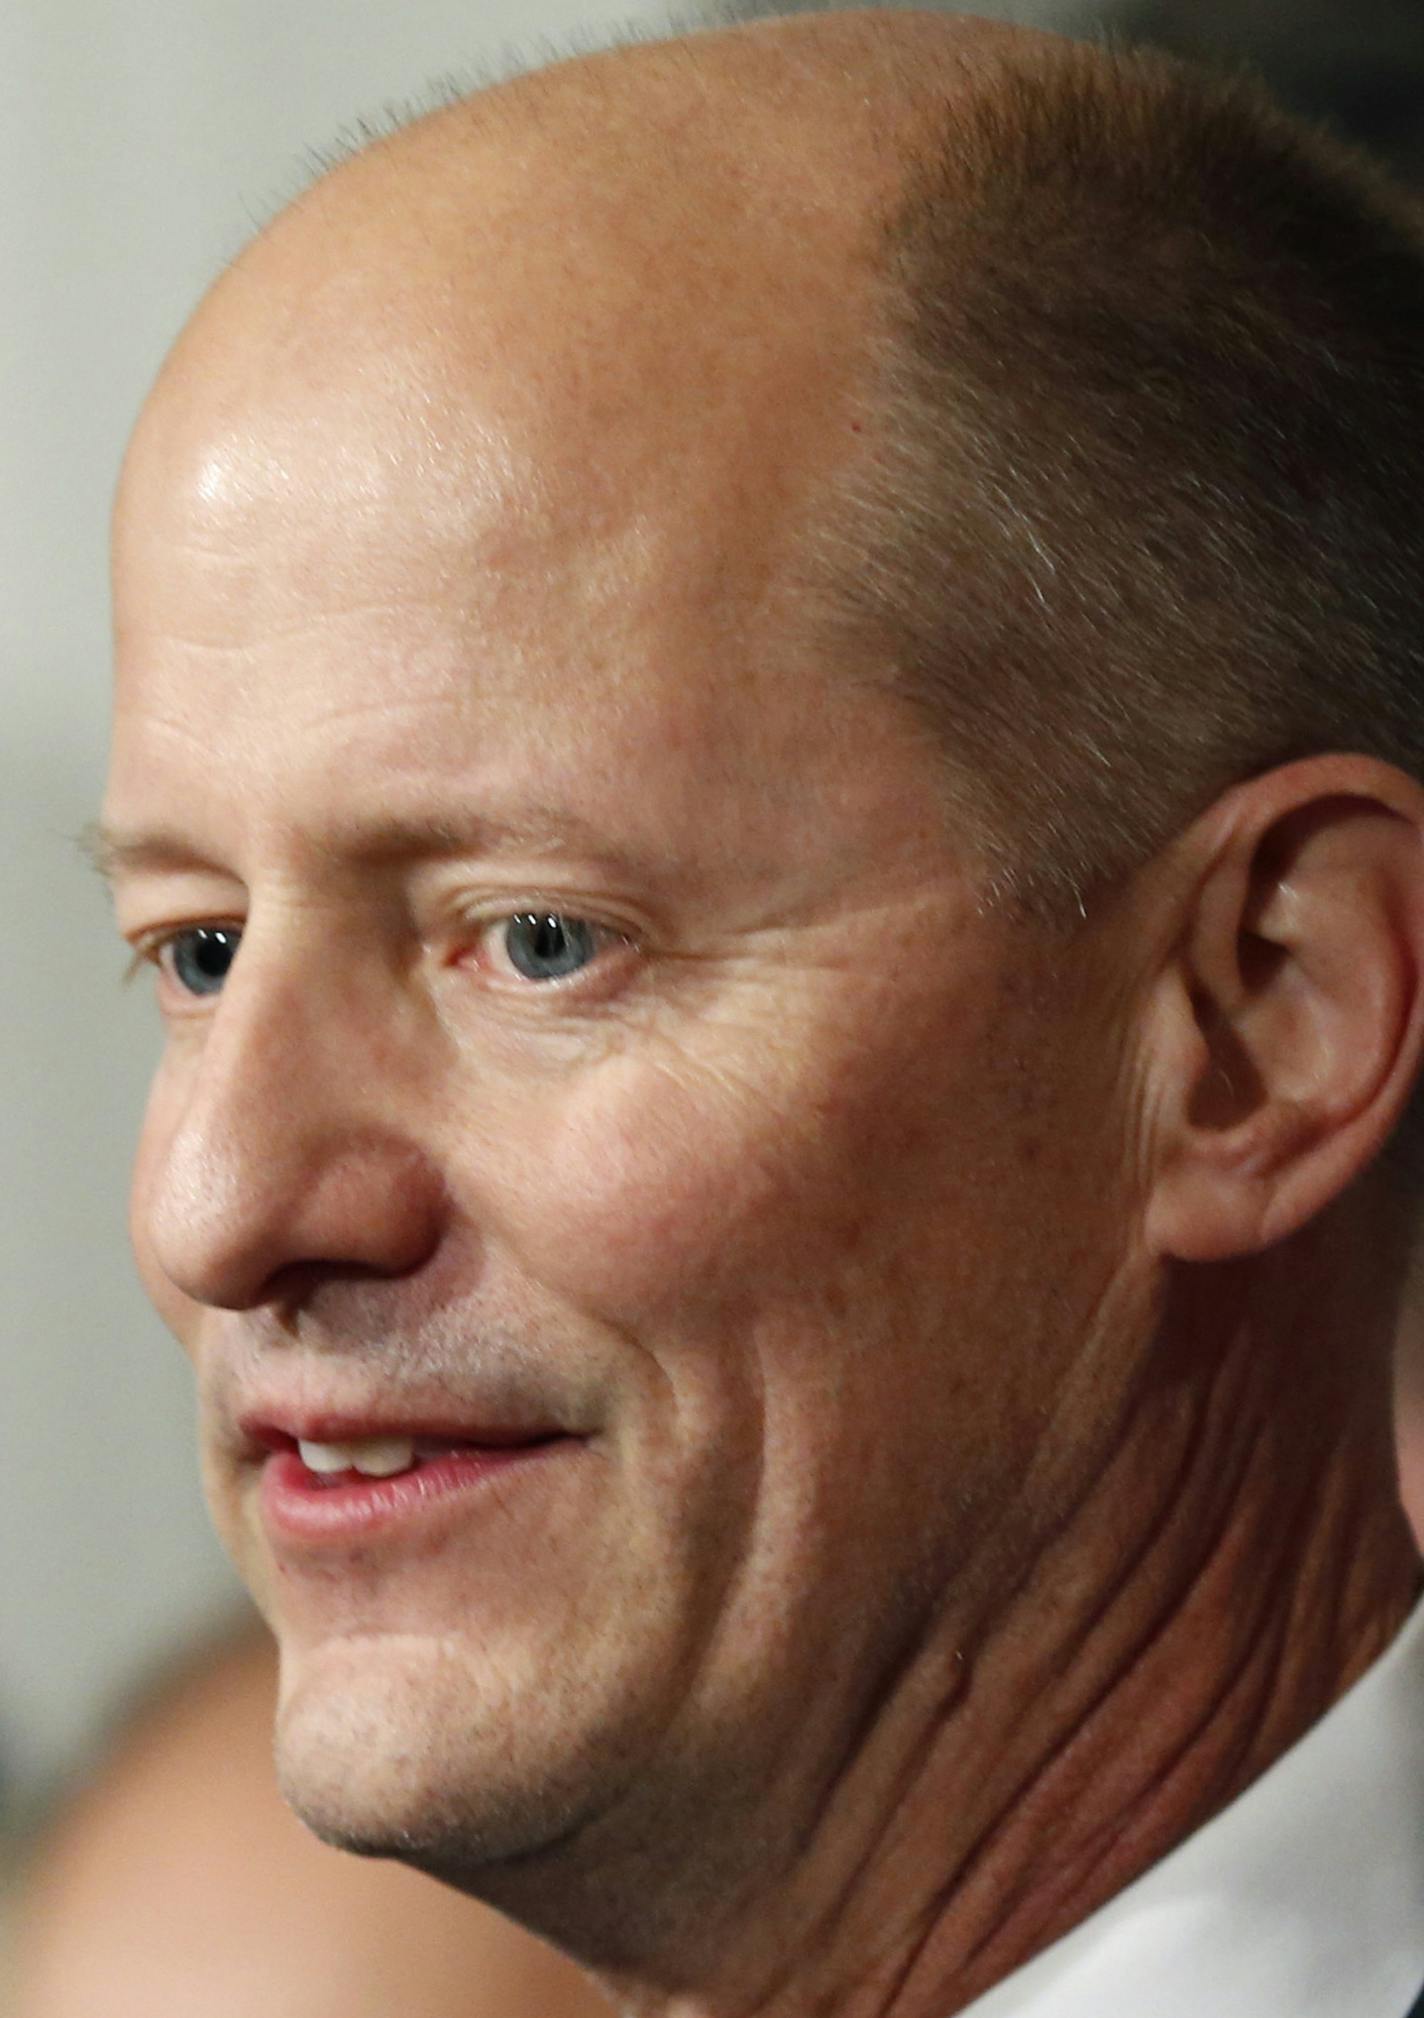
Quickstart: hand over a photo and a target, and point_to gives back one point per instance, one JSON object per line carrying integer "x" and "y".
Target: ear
{"x": 1285, "y": 1029}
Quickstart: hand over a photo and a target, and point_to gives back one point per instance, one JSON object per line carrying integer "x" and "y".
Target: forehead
{"x": 410, "y": 576}
{"x": 495, "y": 449}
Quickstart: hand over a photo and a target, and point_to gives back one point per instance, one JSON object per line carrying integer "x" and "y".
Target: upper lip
{"x": 264, "y": 1430}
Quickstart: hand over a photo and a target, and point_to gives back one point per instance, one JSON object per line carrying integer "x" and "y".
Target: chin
{"x": 406, "y": 1747}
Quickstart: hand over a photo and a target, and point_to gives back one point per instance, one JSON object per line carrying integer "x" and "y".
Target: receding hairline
{"x": 762, "y": 164}
{"x": 871, "y": 77}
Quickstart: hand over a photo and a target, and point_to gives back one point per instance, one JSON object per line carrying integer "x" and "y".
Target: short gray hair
{"x": 1141, "y": 512}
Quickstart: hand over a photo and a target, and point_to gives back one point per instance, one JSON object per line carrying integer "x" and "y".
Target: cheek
{"x": 665, "y": 1186}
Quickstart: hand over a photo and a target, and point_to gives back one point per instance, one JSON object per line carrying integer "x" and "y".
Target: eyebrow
{"x": 114, "y": 851}
{"x": 111, "y": 853}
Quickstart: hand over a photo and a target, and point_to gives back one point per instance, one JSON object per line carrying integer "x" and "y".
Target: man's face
{"x": 742, "y": 1196}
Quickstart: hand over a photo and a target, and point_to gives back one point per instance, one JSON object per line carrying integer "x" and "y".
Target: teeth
{"x": 376, "y": 1456}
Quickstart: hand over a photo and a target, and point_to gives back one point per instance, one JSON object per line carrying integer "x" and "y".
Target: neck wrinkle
{"x": 1176, "y": 1684}
{"x": 1234, "y": 1562}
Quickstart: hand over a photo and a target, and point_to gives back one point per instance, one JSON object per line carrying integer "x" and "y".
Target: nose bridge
{"x": 295, "y": 1138}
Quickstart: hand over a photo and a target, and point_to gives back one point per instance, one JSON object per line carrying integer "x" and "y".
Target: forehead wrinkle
{"x": 383, "y": 842}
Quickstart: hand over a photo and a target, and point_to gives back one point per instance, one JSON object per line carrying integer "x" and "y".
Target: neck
{"x": 1234, "y": 1567}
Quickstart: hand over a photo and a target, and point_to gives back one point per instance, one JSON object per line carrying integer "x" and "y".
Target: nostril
{"x": 291, "y": 1287}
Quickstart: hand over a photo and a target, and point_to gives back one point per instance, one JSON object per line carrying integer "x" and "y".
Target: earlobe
{"x": 1286, "y": 1032}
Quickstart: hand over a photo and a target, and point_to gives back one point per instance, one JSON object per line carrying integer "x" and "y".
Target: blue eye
{"x": 199, "y": 958}
{"x": 545, "y": 946}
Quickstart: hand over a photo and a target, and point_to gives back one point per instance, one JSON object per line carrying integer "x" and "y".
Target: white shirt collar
{"x": 1303, "y": 1899}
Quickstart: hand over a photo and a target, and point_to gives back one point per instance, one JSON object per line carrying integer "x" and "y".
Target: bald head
{"x": 629, "y": 293}
{"x": 740, "y": 178}
{"x": 939, "y": 327}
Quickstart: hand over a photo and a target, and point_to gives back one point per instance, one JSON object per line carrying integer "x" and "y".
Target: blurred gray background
{"x": 140, "y": 143}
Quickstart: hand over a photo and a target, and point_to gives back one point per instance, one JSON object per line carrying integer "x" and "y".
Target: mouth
{"x": 342, "y": 1481}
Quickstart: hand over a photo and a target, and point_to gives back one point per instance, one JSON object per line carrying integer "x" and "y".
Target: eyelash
{"x": 151, "y": 949}
{"x": 606, "y": 938}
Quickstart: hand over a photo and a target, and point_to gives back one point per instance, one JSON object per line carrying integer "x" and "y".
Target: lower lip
{"x": 298, "y": 1505}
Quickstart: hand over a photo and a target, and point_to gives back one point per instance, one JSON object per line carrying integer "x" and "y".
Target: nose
{"x": 285, "y": 1142}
